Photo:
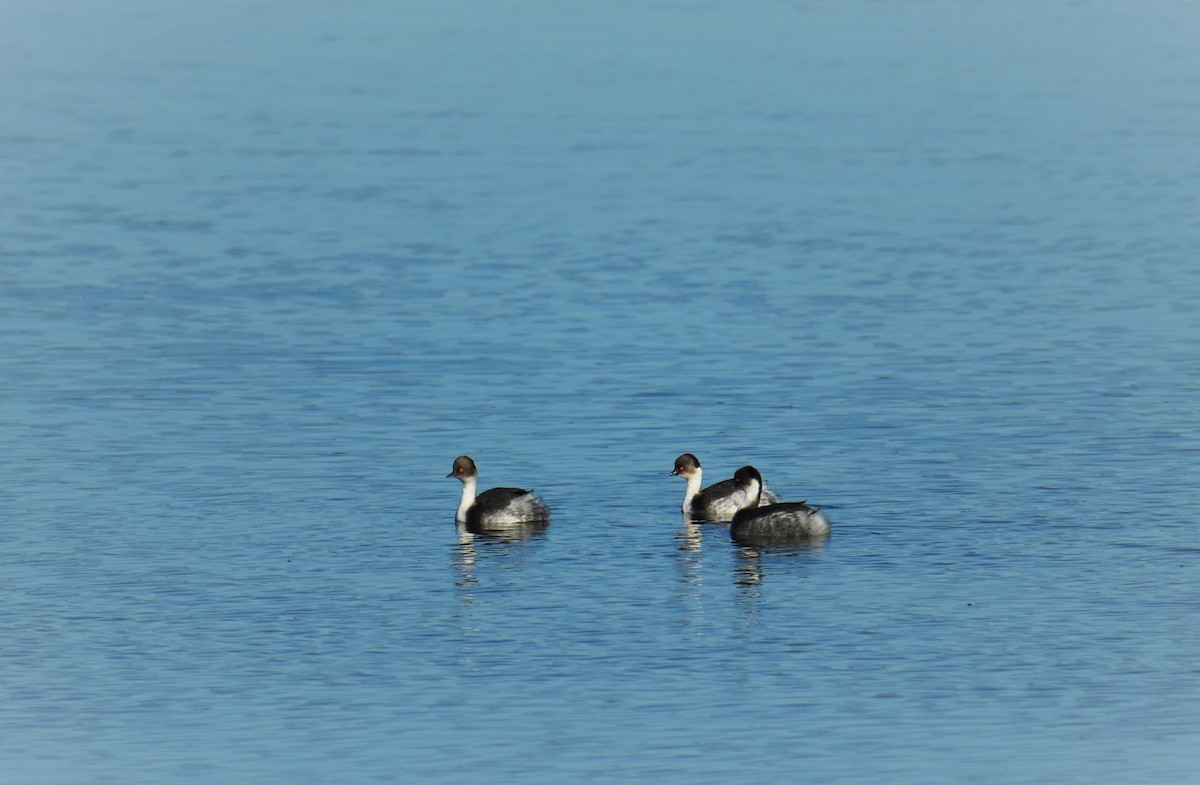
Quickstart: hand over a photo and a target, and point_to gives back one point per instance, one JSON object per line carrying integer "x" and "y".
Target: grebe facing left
{"x": 497, "y": 507}
{"x": 717, "y": 502}
{"x": 784, "y": 521}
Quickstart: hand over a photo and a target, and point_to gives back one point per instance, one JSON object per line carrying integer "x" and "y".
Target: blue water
{"x": 266, "y": 268}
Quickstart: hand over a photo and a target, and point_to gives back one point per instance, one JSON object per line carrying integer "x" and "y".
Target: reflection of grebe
{"x": 749, "y": 572}
{"x": 466, "y": 557}
{"x": 788, "y": 520}
{"x": 717, "y": 502}
{"x": 689, "y": 539}
{"x": 498, "y": 507}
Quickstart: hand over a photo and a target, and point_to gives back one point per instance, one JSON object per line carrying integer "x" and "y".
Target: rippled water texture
{"x": 266, "y": 268}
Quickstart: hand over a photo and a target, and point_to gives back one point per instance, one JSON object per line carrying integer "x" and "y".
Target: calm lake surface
{"x": 266, "y": 268}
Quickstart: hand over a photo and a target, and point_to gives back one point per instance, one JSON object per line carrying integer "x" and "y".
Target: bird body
{"x": 497, "y": 507}
{"x": 785, "y": 520}
{"x": 717, "y": 502}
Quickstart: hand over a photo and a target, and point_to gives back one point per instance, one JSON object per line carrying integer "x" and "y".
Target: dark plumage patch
{"x": 496, "y": 500}
{"x": 785, "y": 521}
{"x": 718, "y": 490}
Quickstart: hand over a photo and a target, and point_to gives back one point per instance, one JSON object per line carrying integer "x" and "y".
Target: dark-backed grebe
{"x": 717, "y": 502}
{"x": 495, "y": 507}
{"x": 784, "y": 521}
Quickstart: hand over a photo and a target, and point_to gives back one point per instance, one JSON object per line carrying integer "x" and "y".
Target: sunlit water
{"x": 268, "y": 267}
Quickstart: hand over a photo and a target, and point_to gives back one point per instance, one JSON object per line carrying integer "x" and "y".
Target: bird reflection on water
{"x": 749, "y": 561}
{"x": 497, "y": 542}
{"x": 688, "y": 544}
{"x": 689, "y": 538}
{"x": 749, "y": 569}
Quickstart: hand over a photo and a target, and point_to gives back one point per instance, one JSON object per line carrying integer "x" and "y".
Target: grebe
{"x": 788, "y": 520}
{"x": 497, "y": 507}
{"x": 717, "y": 502}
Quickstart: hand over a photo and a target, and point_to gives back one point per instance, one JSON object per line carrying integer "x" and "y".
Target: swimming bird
{"x": 717, "y": 502}
{"x": 783, "y": 521}
{"x": 497, "y": 507}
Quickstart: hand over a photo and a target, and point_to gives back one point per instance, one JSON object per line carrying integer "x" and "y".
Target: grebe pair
{"x": 736, "y": 500}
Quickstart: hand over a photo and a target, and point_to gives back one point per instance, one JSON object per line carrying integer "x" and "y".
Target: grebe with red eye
{"x": 784, "y": 521}
{"x": 497, "y": 507}
{"x": 717, "y": 502}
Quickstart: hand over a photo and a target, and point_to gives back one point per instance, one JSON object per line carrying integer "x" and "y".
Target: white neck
{"x": 753, "y": 494}
{"x": 693, "y": 488}
{"x": 468, "y": 498}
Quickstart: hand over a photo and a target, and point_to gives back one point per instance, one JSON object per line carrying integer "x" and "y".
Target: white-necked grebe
{"x": 495, "y": 507}
{"x": 783, "y": 521}
{"x": 717, "y": 502}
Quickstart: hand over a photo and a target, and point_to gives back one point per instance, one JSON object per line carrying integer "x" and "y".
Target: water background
{"x": 266, "y": 268}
